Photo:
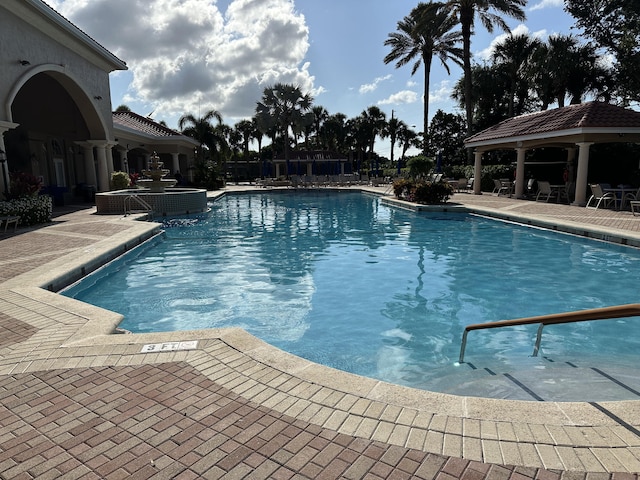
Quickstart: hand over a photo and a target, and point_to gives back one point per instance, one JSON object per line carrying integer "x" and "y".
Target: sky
{"x": 192, "y": 56}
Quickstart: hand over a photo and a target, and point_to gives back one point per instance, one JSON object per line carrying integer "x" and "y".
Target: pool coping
{"x": 577, "y": 436}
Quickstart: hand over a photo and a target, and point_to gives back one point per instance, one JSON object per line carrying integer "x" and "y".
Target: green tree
{"x": 425, "y": 32}
{"x": 245, "y": 129}
{"x": 202, "y": 130}
{"x": 615, "y": 26}
{"x": 514, "y": 55}
{"x": 488, "y": 12}
{"x": 448, "y": 131}
{"x": 565, "y": 69}
{"x": 489, "y": 95}
{"x": 391, "y": 130}
{"x": 374, "y": 123}
{"x": 285, "y": 108}
{"x": 333, "y": 133}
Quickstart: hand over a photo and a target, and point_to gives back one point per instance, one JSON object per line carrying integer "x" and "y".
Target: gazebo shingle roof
{"x": 580, "y": 116}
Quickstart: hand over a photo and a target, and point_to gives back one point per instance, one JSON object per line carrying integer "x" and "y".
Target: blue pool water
{"x": 344, "y": 280}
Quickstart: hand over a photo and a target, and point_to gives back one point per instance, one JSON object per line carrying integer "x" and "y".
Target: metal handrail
{"x": 605, "y": 313}
{"x": 127, "y": 205}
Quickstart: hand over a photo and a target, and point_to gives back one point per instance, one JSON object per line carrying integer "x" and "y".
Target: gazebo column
{"x": 477, "y": 173}
{"x": 581, "y": 176}
{"x": 520, "y": 172}
{"x": 175, "y": 160}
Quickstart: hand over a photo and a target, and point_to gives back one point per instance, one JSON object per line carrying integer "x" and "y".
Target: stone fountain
{"x": 155, "y": 181}
{"x": 153, "y": 197}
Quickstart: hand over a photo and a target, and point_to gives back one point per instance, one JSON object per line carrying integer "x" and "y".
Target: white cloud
{"x": 187, "y": 56}
{"x": 370, "y": 87}
{"x": 404, "y": 96}
{"x": 521, "y": 29}
{"x": 442, "y": 93}
{"x": 546, "y": 4}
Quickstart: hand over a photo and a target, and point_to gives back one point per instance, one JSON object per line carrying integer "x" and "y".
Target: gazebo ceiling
{"x": 594, "y": 122}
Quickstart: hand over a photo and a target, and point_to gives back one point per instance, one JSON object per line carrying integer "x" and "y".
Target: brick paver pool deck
{"x": 78, "y": 401}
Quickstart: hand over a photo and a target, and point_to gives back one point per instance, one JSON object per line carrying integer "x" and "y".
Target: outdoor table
{"x": 620, "y": 192}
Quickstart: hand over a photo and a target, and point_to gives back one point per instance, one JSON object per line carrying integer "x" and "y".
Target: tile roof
{"x": 581, "y": 116}
{"x": 143, "y": 125}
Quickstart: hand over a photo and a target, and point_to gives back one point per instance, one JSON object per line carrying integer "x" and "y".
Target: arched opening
{"x": 53, "y": 115}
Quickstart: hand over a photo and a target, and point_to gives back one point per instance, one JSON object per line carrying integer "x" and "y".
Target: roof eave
{"x": 56, "y": 26}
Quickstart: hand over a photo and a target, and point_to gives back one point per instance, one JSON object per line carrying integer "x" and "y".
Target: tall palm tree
{"x": 391, "y": 130}
{"x": 374, "y": 122}
{"x": 515, "y": 54}
{"x": 284, "y": 106}
{"x": 201, "y": 129}
{"x": 320, "y": 115}
{"x": 245, "y": 129}
{"x": 466, "y": 11}
{"x": 425, "y": 32}
{"x": 333, "y": 132}
{"x": 567, "y": 69}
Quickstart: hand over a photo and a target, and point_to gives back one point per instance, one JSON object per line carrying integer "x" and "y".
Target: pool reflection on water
{"x": 343, "y": 280}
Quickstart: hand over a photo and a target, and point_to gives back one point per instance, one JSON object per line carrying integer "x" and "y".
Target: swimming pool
{"x": 343, "y": 280}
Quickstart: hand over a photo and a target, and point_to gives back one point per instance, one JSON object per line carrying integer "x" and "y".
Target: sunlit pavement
{"x": 78, "y": 401}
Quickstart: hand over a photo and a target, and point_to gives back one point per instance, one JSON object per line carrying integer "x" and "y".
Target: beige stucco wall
{"x": 22, "y": 41}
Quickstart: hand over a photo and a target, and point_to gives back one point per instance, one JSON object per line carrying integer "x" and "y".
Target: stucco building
{"x": 56, "y": 118}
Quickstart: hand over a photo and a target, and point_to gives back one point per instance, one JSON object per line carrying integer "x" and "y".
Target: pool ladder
{"x": 605, "y": 313}
{"x": 144, "y": 207}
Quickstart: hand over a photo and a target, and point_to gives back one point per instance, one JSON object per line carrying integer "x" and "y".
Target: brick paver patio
{"x": 79, "y": 402}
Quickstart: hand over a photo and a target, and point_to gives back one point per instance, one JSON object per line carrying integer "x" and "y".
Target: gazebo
{"x": 574, "y": 128}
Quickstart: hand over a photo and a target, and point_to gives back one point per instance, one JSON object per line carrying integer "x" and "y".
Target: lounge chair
{"x": 462, "y": 184}
{"x": 628, "y": 198}
{"x": 9, "y": 220}
{"x": 501, "y": 186}
{"x": 599, "y": 197}
{"x": 545, "y": 192}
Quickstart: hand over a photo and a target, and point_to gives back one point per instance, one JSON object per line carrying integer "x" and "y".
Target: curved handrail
{"x": 604, "y": 313}
{"x": 127, "y": 204}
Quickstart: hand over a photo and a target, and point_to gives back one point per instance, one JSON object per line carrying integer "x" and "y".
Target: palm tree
{"x": 514, "y": 54}
{"x": 245, "y": 129}
{"x": 374, "y": 122}
{"x": 466, "y": 11}
{"x": 320, "y": 115}
{"x": 200, "y": 128}
{"x": 564, "y": 68}
{"x": 333, "y": 132}
{"x": 391, "y": 130}
{"x": 421, "y": 35}
{"x": 284, "y": 107}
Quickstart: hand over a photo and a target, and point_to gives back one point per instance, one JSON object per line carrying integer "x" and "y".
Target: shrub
{"x": 23, "y": 185}
{"x": 32, "y": 209}
{"x": 423, "y": 192}
{"x": 120, "y": 180}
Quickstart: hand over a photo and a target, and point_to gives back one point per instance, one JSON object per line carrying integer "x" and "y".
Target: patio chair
{"x": 628, "y": 198}
{"x": 545, "y": 192}
{"x": 470, "y": 184}
{"x": 9, "y": 220}
{"x": 500, "y": 186}
{"x": 599, "y": 197}
{"x": 462, "y": 184}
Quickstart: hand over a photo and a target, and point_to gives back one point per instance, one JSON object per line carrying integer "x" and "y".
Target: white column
{"x": 125, "y": 159}
{"x": 176, "y": 162}
{"x": 103, "y": 168}
{"x": 89, "y": 164}
{"x": 477, "y": 174}
{"x": 109, "y": 155}
{"x": 520, "y": 172}
{"x": 581, "y": 176}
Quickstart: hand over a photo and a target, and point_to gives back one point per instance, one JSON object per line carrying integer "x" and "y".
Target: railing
{"x": 145, "y": 207}
{"x": 605, "y": 313}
